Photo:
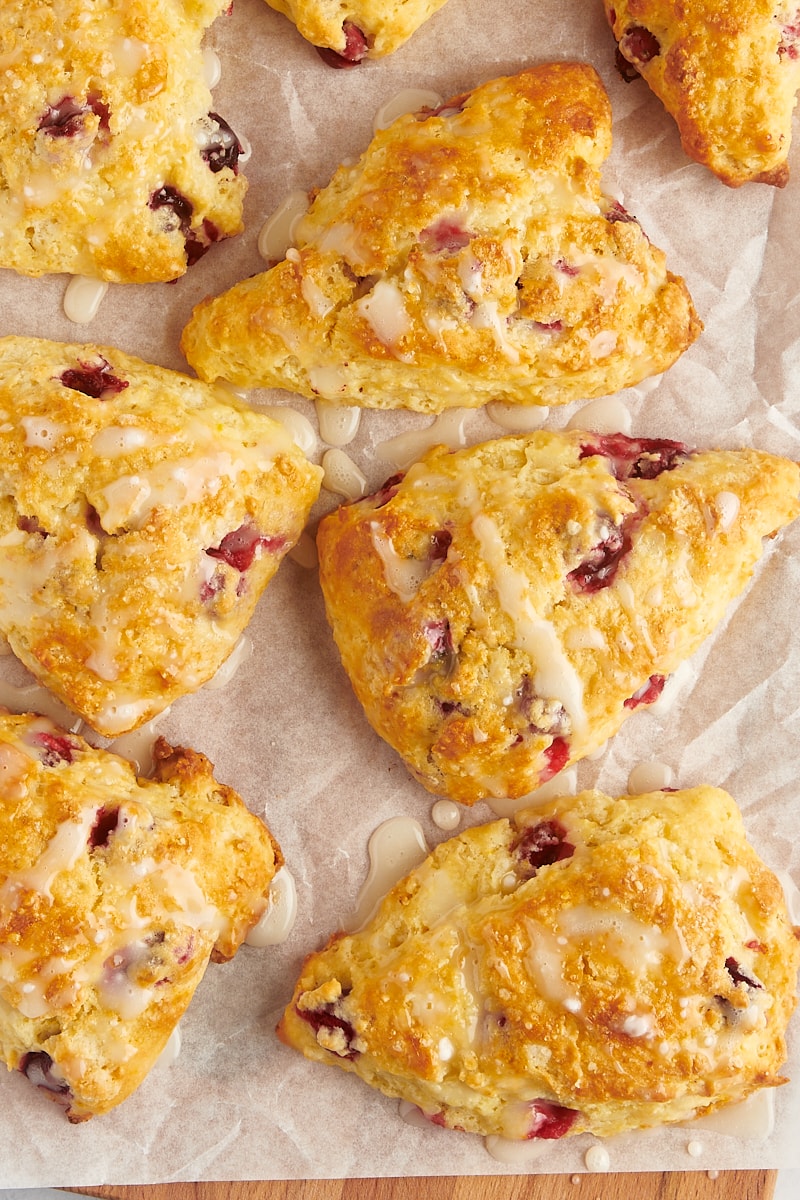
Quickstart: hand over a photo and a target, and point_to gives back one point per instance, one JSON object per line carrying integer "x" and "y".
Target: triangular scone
{"x": 347, "y": 33}
{"x": 501, "y": 610}
{"x": 727, "y": 73}
{"x": 469, "y": 255}
{"x": 142, "y": 514}
{"x": 113, "y": 163}
{"x": 596, "y": 965}
{"x": 114, "y": 893}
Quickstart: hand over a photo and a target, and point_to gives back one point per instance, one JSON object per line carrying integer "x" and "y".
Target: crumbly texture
{"x": 468, "y": 256}
{"x": 356, "y": 29}
{"x": 501, "y": 610}
{"x": 142, "y": 514}
{"x": 113, "y": 163}
{"x": 596, "y": 965}
{"x": 727, "y": 73}
{"x": 114, "y": 894}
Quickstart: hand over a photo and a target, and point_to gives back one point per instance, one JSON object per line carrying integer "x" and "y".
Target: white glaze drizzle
{"x": 212, "y": 67}
{"x": 338, "y": 423}
{"x": 753, "y": 1118}
{"x": 395, "y": 848}
{"x": 446, "y": 815}
{"x": 563, "y": 784}
{"x": 342, "y": 476}
{"x": 605, "y": 415}
{"x": 238, "y": 655}
{"x": 403, "y": 576}
{"x": 82, "y": 298}
{"x": 296, "y": 423}
{"x": 137, "y": 746}
{"x": 278, "y": 231}
{"x": 304, "y": 552}
{"x": 597, "y": 1158}
{"x": 650, "y": 777}
{"x": 407, "y": 100}
{"x": 448, "y": 429}
{"x": 171, "y": 1050}
{"x": 555, "y": 677}
{"x": 384, "y": 309}
{"x": 727, "y": 506}
{"x": 516, "y": 1153}
{"x": 280, "y": 914}
{"x": 517, "y": 418}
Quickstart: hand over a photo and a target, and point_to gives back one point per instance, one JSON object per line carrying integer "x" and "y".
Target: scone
{"x": 113, "y": 163}
{"x": 598, "y": 965}
{"x": 727, "y": 73}
{"x": 501, "y": 610}
{"x": 346, "y": 34}
{"x": 114, "y": 894}
{"x": 142, "y": 514}
{"x": 469, "y": 255}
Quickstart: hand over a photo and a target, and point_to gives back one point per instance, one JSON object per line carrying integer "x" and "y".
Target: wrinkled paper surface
{"x": 287, "y": 732}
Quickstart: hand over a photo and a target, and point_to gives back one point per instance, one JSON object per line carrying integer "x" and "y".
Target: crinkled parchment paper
{"x": 287, "y": 732}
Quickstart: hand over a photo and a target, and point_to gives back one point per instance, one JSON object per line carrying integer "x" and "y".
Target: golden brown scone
{"x": 469, "y": 255}
{"x": 501, "y": 610}
{"x": 596, "y": 965}
{"x": 114, "y": 893}
{"x": 113, "y": 163}
{"x": 142, "y": 514}
{"x": 727, "y": 73}
{"x": 347, "y": 33}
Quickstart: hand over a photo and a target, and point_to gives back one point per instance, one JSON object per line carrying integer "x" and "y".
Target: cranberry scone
{"x": 596, "y": 965}
{"x": 501, "y": 610}
{"x": 468, "y": 256}
{"x": 346, "y": 34}
{"x": 727, "y": 73}
{"x": 142, "y": 514}
{"x": 115, "y": 892}
{"x": 113, "y": 163}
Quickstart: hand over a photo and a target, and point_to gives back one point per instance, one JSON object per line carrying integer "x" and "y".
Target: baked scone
{"x": 727, "y": 73}
{"x": 113, "y": 163}
{"x": 595, "y": 965}
{"x": 501, "y": 610}
{"x": 142, "y": 514}
{"x": 469, "y": 255}
{"x": 347, "y": 33}
{"x": 114, "y": 894}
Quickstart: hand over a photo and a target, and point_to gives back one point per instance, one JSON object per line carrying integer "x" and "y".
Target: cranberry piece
{"x": 754, "y": 944}
{"x": 790, "y": 39}
{"x": 54, "y": 749}
{"x": 618, "y": 214}
{"x": 556, "y": 758}
{"x": 225, "y": 148}
{"x": 636, "y": 458}
{"x": 446, "y": 707}
{"x": 444, "y": 236}
{"x": 439, "y": 639}
{"x": 31, "y": 525}
{"x": 566, "y": 268}
{"x": 105, "y": 823}
{"x": 212, "y": 587}
{"x": 355, "y": 47}
{"x": 93, "y": 379}
{"x": 67, "y": 118}
{"x": 550, "y": 326}
{"x": 238, "y": 548}
{"x": 542, "y": 845}
{"x": 449, "y": 108}
{"x": 626, "y": 70}
{"x": 602, "y": 562}
{"x": 170, "y": 197}
{"x": 739, "y": 975}
{"x": 550, "y": 1120}
{"x": 198, "y": 243}
{"x": 648, "y": 693}
{"x": 37, "y": 1065}
{"x": 440, "y": 544}
{"x": 387, "y": 492}
{"x": 639, "y": 45}
{"x": 326, "y": 1018}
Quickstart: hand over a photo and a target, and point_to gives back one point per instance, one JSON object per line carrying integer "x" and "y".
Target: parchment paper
{"x": 287, "y": 732}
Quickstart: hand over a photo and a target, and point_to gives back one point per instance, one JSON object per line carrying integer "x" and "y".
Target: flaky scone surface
{"x": 727, "y": 73}
{"x": 114, "y": 894}
{"x": 142, "y": 514}
{"x": 594, "y": 965}
{"x": 113, "y": 163}
{"x": 357, "y": 29}
{"x": 501, "y": 610}
{"x": 470, "y": 255}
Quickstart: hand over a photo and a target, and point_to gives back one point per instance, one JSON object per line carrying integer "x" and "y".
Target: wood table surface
{"x": 683, "y": 1185}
